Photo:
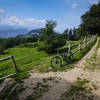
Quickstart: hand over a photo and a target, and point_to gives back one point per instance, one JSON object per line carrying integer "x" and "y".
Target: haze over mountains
{"x": 32, "y": 33}
{"x": 13, "y": 31}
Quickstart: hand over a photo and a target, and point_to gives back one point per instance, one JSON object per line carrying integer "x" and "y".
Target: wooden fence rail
{"x": 85, "y": 43}
{"x": 14, "y": 64}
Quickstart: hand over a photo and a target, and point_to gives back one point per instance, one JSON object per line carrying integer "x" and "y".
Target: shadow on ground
{"x": 50, "y": 88}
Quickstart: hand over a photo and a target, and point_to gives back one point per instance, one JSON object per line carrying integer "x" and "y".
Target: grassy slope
{"x": 28, "y": 57}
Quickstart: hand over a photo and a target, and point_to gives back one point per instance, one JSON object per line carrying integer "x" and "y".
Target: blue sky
{"x": 34, "y": 13}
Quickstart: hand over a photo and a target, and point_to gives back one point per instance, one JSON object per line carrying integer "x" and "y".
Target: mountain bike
{"x": 63, "y": 56}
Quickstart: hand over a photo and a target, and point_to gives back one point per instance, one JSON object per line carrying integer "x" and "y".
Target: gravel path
{"x": 59, "y": 82}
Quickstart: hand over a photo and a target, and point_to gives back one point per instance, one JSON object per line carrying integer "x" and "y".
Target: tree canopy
{"x": 49, "y": 39}
{"x": 91, "y": 21}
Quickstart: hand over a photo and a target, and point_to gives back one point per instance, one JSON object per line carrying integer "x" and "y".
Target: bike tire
{"x": 71, "y": 57}
{"x": 56, "y": 62}
{"x": 67, "y": 60}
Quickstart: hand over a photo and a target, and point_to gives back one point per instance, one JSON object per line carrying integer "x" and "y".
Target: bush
{"x": 41, "y": 46}
{"x": 1, "y": 49}
{"x": 11, "y": 42}
{"x": 29, "y": 45}
{"x": 35, "y": 44}
{"x": 59, "y": 41}
{"x": 51, "y": 46}
{"x": 46, "y": 47}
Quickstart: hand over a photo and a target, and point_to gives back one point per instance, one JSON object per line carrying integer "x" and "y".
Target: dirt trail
{"x": 83, "y": 61}
{"x": 59, "y": 82}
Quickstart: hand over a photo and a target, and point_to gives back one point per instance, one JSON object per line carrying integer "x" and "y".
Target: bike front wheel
{"x": 56, "y": 62}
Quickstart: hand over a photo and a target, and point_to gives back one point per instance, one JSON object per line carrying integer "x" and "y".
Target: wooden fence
{"x": 14, "y": 64}
{"x": 84, "y": 43}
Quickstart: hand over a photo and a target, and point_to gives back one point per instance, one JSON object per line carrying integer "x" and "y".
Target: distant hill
{"x": 36, "y": 31}
{"x": 32, "y": 33}
{"x": 15, "y": 31}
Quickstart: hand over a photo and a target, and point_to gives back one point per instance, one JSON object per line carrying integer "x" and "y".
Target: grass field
{"x": 26, "y": 58}
{"x": 29, "y": 57}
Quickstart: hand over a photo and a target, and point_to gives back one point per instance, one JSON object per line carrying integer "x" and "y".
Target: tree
{"x": 49, "y": 39}
{"x": 70, "y": 34}
{"x": 91, "y": 21}
{"x": 48, "y": 31}
{"x": 75, "y": 37}
{"x": 1, "y": 49}
{"x": 66, "y": 32}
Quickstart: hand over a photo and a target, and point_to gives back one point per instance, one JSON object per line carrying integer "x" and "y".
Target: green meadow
{"x": 27, "y": 57}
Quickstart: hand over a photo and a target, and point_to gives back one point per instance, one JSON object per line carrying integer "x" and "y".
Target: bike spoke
{"x": 56, "y": 62}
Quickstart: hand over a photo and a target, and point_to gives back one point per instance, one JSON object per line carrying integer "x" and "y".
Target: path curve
{"x": 61, "y": 81}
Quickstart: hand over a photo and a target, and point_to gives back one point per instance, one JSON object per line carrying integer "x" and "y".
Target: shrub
{"x": 1, "y": 49}
{"x": 59, "y": 41}
{"x": 35, "y": 44}
{"x": 41, "y": 46}
{"x": 29, "y": 45}
{"x": 51, "y": 46}
{"x": 46, "y": 47}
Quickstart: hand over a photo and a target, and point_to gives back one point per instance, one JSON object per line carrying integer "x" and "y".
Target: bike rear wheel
{"x": 69, "y": 57}
{"x": 56, "y": 62}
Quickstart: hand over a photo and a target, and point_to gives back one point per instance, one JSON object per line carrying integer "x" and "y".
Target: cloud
{"x": 66, "y": 0}
{"x": 15, "y": 21}
{"x": 26, "y": 22}
{"x": 2, "y": 12}
{"x": 94, "y": 1}
{"x": 74, "y": 5}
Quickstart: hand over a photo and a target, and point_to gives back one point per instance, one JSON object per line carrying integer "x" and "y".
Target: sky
{"x": 33, "y": 14}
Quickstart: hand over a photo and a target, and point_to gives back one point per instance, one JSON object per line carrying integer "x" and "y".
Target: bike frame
{"x": 63, "y": 55}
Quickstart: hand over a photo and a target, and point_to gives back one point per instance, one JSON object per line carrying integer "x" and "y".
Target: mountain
{"x": 32, "y": 33}
{"x": 36, "y": 31}
{"x": 17, "y": 31}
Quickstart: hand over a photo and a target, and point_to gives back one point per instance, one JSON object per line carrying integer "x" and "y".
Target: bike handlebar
{"x": 62, "y": 50}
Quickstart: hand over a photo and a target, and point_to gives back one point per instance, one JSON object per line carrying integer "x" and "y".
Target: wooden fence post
{"x": 80, "y": 45}
{"x": 92, "y": 37}
{"x": 88, "y": 41}
{"x": 13, "y": 61}
{"x": 89, "y": 38}
{"x": 69, "y": 50}
{"x": 84, "y": 43}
